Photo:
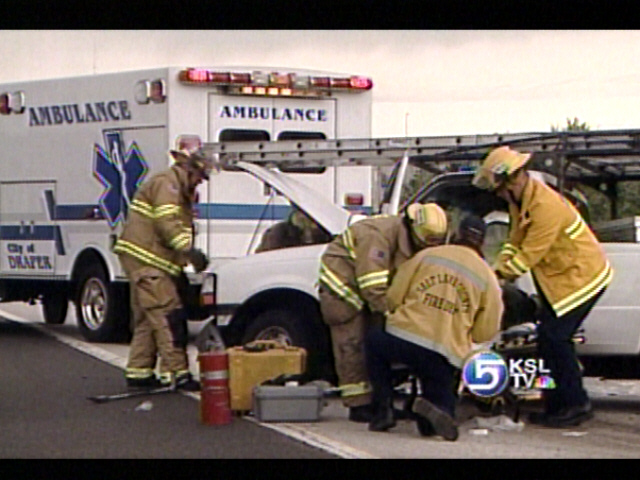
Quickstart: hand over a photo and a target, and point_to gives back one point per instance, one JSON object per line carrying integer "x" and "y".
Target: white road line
{"x": 290, "y": 430}
{"x": 311, "y": 438}
{"x": 89, "y": 349}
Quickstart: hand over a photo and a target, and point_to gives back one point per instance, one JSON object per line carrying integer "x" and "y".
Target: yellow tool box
{"x": 255, "y": 362}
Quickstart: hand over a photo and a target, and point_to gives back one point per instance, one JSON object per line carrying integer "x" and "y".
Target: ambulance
{"x": 75, "y": 150}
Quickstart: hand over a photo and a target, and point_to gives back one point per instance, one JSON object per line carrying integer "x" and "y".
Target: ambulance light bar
{"x": 274, "y": 83}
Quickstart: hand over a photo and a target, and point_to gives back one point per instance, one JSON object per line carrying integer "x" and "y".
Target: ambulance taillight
{"x": 351, "y": 199}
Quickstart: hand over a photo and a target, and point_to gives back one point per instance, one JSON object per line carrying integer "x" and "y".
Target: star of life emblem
{"x": 119, "y": 173}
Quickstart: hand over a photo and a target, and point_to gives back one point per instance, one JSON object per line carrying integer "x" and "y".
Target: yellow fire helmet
{"x": 498, "y": 165}
{"x": 428, "y": 222}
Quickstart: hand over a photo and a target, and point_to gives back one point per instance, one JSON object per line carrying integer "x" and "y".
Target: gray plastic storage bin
{"x": 273, "y": 403}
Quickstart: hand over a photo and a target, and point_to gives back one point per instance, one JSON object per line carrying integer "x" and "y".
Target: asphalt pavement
{"x": 45, "y": 413}
{"x": 50, "y": 369}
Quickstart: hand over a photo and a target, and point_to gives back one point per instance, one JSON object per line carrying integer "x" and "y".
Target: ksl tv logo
{"x": 487, "y": 374}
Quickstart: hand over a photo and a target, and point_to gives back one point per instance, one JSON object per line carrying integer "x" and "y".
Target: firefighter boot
{"x": 443, "y": 424}
{"x": 383, "y": 419}
{"x": 424, "y": 427}
{"x": 361, "y": 413}
{"x": 146, "y": 383}
{"x": 566, "y": 417}
{"x": 187, "y": 383}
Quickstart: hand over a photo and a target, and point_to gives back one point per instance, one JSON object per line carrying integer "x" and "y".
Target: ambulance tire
{"x": 54, "y": 309}
{"x": 101, "y": 314}
{"x": 290, "y": 328}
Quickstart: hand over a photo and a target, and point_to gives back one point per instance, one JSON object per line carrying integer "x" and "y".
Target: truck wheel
{"x": 100, "y": 315}
{"x": 294, "y": 329}
{"x": 54, "y": 308}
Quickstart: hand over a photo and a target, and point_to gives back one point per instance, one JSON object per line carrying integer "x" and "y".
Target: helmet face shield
{"x": 191, "y": 155}
{"x": 484, "y": 180}
{"x": 204, "y": 165}
{"x": 498, "y": 166}
{"x": 426, "y": 241}
{"x": 487, "y": 180}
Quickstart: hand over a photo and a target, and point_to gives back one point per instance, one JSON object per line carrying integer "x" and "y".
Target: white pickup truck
{"x": 274, "y": 294}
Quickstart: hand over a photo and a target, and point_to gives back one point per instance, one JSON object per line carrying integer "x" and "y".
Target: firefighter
{"x": 155, "y": 245}
{"x": 298, "y": 229}
{"x": 548, "y": 237}
{"x": 440, "y": 301}
{"x": 355, "y": 270}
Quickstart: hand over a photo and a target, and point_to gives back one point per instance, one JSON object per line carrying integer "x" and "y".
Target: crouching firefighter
{"x": 355, "y": 271}
{"x": 155, "y": 245}
{"x": 441, "y": 301}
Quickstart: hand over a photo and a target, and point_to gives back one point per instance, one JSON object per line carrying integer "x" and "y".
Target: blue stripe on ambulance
{"x": 37, "y": 232}
{"x": 206, "y": 211}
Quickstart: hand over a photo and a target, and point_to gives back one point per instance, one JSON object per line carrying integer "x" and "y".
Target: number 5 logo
{"x": 485, "y": 374}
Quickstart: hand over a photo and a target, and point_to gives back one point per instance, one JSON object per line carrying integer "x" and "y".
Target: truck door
{"x": 29, "y": 239}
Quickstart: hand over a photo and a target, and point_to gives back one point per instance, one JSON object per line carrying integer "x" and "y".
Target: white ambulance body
{"x": 75, "y": 150}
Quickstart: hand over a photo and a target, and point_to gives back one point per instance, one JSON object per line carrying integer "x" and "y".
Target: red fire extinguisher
{"x": 214, "y": 381}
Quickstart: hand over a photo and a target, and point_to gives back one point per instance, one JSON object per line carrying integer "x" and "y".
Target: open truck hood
{"x": 332, "y": 217}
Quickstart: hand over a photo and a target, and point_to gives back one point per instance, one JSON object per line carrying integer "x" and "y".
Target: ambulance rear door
{"x": 235, "y": 201}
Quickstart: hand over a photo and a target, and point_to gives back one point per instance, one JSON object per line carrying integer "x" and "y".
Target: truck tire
{"x": 294, "y": 328}
{"x": 54, "y": 308}
{"x": 100, "y": 312}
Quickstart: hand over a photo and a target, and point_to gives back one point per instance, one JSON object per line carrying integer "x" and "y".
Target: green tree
{"x": 599, "y": 204}
{"x": 419, "y": 179}
{"x": 572, "y": 126}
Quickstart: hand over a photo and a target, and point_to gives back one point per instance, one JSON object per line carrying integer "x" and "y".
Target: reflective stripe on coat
{"x": 549, "y": 237}
{"x": 159, "y": 228}
{"x": 358, "y": 265}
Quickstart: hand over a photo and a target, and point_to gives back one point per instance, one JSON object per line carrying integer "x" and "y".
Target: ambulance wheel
{"x": 100, "y": 316}
{"x": 289, "y": 328}
{"x": 54, "y": 309}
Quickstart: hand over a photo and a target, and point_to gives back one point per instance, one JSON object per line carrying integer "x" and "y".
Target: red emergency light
{"x": 353, "y": 199}
{"x": 274, "y": 83}
{"x": 320, "y": 82}
{"x": 5, "y": 109}
{"x": 188, "y": 142}
{"x": 157, "y": 91}
{"x": 221, "y": 77}
{"x": 362, "y": 83}
{"x": 240, "y": 78}
{"x": 148, "y": 90}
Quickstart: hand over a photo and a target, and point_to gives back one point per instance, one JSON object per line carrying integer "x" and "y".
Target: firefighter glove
{"x": 198, "y": 259}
